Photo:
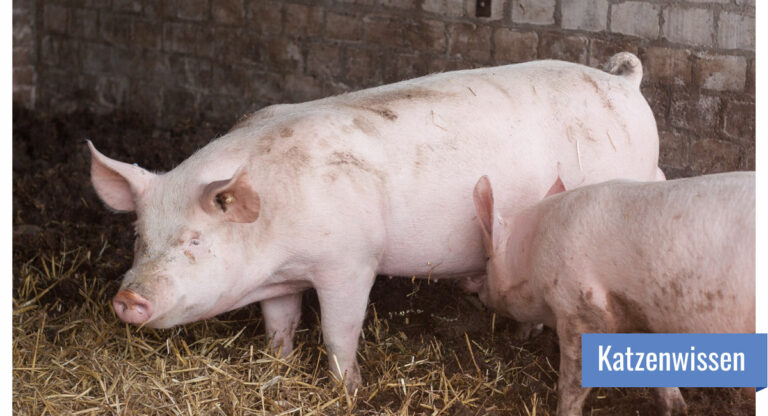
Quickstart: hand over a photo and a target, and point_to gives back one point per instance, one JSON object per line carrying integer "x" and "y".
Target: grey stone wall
{"x": 214, "y": 60}
{"x": 24, "y": 53}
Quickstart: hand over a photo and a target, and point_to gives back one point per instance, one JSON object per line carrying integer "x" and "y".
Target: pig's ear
{"x": 234, "y": 199}
{"x": 483, "y": 197}
{"x": 556, "y": 188}
{"x": 118, "y": 184}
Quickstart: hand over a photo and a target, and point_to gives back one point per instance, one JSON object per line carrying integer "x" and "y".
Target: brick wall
{"x": 24, "y": 53}
{"x": 214, "y": 60}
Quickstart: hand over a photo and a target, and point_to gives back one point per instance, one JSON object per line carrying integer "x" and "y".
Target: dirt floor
{"x": 427, "y": 348}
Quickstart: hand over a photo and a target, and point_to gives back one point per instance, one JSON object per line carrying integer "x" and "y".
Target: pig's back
{"x": 522, "y": 125}
{"x": 681, "y": 251}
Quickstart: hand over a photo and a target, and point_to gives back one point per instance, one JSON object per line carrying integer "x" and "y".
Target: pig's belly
{"x": 449, "y": 246}
{"x": 431, "y": 224}
{"x": 432, "y": 230}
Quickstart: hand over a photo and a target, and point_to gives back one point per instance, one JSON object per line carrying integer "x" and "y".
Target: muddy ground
{"x": 69, "y": 252}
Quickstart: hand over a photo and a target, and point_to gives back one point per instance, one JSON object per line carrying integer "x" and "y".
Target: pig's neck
{"x": 523, "y": 293}
{"x": 283, "y": 275}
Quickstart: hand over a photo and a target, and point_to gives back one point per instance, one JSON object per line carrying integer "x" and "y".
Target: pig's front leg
{"x": 281, "y": 316}
{"x": 342, "y": 308}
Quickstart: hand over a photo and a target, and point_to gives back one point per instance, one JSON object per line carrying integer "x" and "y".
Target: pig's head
{"x": 506, "y": 286}
{"x": 187, "y": 260}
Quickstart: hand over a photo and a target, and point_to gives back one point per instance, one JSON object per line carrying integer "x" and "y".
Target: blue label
{"x": 674, "y": 360}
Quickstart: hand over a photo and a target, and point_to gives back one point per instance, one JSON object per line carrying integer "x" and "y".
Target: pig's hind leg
{"x": 586, "y": 312}
{"x": 670, "y": 401}
{"x": 570, "y": 394}
{"x": 592, "y": 317}
{"x": 281, "y": 317}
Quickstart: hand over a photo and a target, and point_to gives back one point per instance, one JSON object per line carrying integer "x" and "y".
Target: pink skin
{"x": 329, "y": 193}
{"x": 675, "y": 256}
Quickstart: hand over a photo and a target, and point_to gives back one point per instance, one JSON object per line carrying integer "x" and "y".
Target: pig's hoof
{"x": 670, "y": 401}
{"x": 282, "y": 348}
{"x": 352, "y": 379}
{"x": 352, "y": 384}
{"x": 526, "y": 331}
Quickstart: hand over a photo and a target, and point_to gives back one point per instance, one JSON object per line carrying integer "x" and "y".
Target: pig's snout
{"x": 132, "y": 307}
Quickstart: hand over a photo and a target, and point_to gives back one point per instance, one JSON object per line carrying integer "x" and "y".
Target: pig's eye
{"x": 194, "y": 242}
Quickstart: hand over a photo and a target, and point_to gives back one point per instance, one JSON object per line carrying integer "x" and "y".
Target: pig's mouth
{"x": 221, "y": 306}
{"x": 183, "y": 313}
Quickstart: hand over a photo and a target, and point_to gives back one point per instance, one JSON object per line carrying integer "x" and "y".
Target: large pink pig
{"x": 328, "y": 193}
{"x": 675, "y": 256}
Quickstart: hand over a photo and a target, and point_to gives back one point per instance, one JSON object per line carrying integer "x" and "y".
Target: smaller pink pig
{"x": 620, "y": 256}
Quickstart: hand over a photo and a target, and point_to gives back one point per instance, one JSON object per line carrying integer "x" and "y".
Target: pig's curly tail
{"x": 627, "y": 65}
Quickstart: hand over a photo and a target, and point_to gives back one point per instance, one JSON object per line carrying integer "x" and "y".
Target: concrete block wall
{"x": 24, "y": 53}
{"x": 215, "y": 60}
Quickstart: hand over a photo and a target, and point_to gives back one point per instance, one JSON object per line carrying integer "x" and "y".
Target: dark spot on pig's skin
{"x": 295, "y": 156}
{"x": 385, "y": 98}
{"x": 383, "y": 112}
{"x": 346, "y": 159}
{"x": 286, "y": 132}
{"x": 589, "y": 318}
{"x": 600, "y": 92}
{"x": 627, "y": 314}
{"x": 141, "y": 289}
{"x": 618, "y": 119}
{"x": 708, "y": 305}
{"x": 590, "y": 81}
{"x": 677, "y": 289}
{"x": 189, "y": 255}
{"x": 585, "y": 131}
{"x": 365, "y": 125}
{"x": 264, "y": 145}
